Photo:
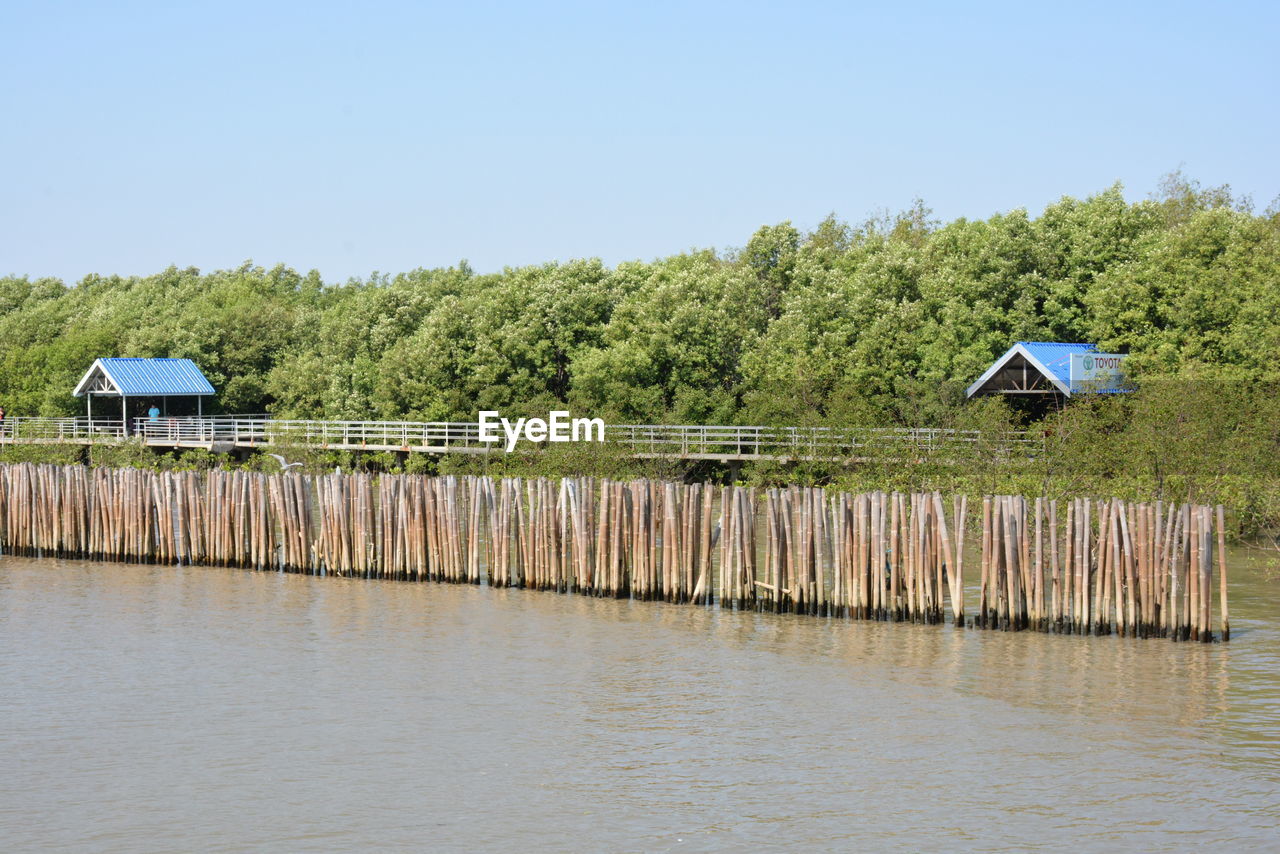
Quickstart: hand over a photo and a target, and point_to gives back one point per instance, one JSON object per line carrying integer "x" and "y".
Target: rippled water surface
{"x": 154, "y": 708}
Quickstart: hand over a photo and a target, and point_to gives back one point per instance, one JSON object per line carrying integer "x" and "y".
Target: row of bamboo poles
{"x": 1137, "y": 569}
{"x": 1101, "y": 566}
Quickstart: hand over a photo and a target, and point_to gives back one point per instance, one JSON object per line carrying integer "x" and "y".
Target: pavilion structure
{"x": 142, "y": 378}
{"x": 1052, "y": 369}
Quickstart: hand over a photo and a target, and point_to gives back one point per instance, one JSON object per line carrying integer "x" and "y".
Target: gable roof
{"x": 1052, "y": 359}
{"x": 141, "y": 377}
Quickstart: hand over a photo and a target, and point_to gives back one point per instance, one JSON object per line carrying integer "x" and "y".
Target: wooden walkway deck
{"x": 693, "y": 442}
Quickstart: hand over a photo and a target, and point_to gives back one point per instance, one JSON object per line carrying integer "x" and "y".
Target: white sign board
{"x": 1097, "y": 372}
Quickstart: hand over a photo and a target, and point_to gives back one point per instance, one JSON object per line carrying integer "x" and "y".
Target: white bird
{"x": 284, "y": 466}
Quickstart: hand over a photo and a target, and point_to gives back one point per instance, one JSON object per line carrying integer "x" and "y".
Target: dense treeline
{"x": 879, "y": 324}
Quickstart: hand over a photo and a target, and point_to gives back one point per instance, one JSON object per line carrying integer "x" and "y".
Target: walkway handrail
{"x": 687, "y": 440}
{"x": 674, "y": 439}
{"x": 36, "y": 429}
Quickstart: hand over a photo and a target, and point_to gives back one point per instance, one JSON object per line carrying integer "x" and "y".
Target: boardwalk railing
{"x": 251, "y": 431}
{"x": 815, "y": 442}
{"x": 665, "y": 440}
{"x": 55, "y": 430}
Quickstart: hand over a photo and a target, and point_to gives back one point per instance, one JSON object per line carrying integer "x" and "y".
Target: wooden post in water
{"x": 952, "y": 558}
{"x": 984, "y": 563}
{"x": 1193, "y": 572}
{"x": 1222, "y": 574}
{"x": 1203, "y": 578}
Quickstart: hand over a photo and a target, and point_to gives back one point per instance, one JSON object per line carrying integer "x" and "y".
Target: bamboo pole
{"x": 1222, "y": 575}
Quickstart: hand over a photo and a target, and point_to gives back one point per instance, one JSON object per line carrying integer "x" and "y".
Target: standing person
{"x": 1, "y": 420}
{"x": 153, "y": 414}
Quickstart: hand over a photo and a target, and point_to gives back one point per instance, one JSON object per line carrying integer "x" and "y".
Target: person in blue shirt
{"x": 153, "y": 414}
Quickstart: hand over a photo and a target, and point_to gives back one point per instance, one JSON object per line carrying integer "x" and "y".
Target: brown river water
{"x": 147, "y": 708}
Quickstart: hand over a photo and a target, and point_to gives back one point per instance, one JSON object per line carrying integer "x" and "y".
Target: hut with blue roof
{"x": 1052, "y": 369}
{"x": 143, "y": 379}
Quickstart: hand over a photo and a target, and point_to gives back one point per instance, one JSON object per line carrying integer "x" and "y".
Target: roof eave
{"x": 1040, "y": 366}
{"x": 1017, "y": 350}
{"x": 97, "y": 364}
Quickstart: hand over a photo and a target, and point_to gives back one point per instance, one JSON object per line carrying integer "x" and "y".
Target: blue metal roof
{"x": 155, "y": 377}
{"x": 1056, "y": 357}
{"x": 1050, "y": 358}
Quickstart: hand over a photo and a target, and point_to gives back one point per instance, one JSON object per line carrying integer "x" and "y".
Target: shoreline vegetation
{"x": 881, "y": 324}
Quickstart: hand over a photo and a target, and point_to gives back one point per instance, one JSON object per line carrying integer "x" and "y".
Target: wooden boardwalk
{"x": 691, "y": 442}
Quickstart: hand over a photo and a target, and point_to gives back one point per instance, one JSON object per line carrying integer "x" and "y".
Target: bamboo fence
{"x": 1083, "y": 566}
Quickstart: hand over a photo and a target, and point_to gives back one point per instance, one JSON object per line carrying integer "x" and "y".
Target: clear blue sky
{"x": 387, "y": 136}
